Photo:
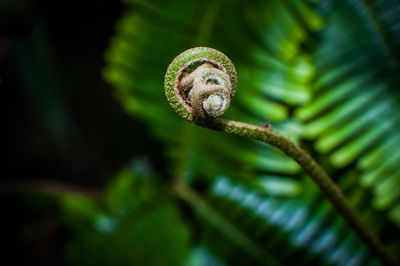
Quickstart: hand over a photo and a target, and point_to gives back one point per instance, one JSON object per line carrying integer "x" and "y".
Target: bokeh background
{"x": 61, "y": 128}
{"x": 97, "y": 169}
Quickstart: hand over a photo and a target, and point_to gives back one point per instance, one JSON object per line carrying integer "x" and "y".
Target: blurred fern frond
{"x": 139, "y": 76}
{"x": 306, "y": 227}
{"x": 118, "y": 229}
{"x": 354, "y": 116}
{"x": 324, "y": 74}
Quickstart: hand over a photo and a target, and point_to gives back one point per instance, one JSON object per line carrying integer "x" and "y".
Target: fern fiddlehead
{"x": 199, "y": 85}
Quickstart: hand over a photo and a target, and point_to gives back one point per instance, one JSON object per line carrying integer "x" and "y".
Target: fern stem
{"x": 317, "y": 174}
{"x": 199, "y": 85}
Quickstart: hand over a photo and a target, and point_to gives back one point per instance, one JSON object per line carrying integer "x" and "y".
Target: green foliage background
{"x": 323, "y": 73}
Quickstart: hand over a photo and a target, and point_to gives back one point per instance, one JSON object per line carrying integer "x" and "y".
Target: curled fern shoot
{"x": 199, "y": 85}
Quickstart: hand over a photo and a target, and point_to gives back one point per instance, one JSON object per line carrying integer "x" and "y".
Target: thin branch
{"x": 191, "y": 101}
{"x": 317, "y": 174}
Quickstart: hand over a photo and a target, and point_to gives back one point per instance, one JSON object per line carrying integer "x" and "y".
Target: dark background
{"x": 60, "y": 119}
{"x": 61, "y": 127}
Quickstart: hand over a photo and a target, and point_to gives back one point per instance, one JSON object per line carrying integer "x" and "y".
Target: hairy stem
{"x": 317, "y": 174}
{"x": 199, "y": 84}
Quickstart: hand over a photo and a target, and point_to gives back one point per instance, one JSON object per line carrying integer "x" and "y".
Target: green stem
{"x": 317, "y": 174}
{"x": 187, "y": 90}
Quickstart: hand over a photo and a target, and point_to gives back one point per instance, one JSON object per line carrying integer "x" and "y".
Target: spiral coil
{"x": 200, "y": 83}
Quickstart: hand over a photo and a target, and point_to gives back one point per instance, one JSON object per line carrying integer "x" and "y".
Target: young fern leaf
{"x": 199, "y": 85}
